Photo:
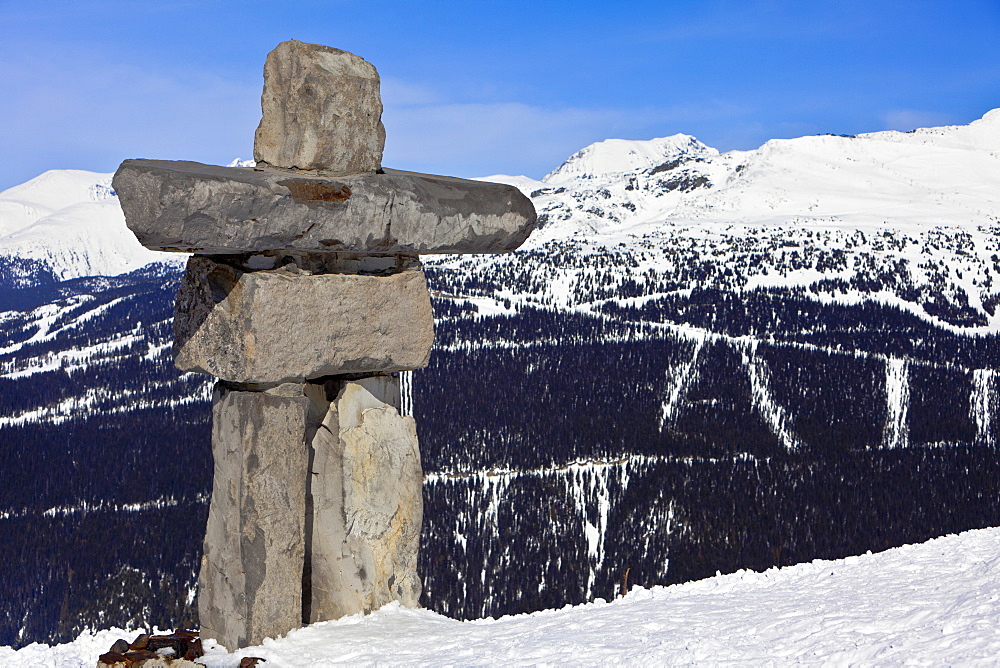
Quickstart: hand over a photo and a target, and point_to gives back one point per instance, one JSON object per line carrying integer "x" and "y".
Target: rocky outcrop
{"x": 280, "y": 325}
{"x": 191, "y": 207}
{"x": 321, "y": 110}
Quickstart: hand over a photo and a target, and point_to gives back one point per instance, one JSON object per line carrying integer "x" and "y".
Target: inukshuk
{"x": 304, "y": 296}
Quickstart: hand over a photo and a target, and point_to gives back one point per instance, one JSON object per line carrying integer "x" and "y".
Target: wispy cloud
{"x": 86, "y": 112}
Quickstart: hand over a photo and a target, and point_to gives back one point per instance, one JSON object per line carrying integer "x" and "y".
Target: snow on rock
{"x": 934, "y": 603}
{"x": 70, "y": 221}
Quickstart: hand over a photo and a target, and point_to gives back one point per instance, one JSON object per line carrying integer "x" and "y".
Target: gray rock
{"x": 322, "y": 110}
{"x": 276, "y": 326}
{"x": 367, "y": 506}
{"x": 188, "y": 206}
{"x": 250, "y": 587}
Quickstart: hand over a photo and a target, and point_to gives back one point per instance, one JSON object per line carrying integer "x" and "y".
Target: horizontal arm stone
{"x": 188, "y": 206}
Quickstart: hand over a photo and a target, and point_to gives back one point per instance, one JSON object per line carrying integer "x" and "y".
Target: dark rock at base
{"x": 174, "y": 650}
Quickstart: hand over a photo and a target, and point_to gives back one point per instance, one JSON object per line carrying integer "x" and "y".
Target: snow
{"x": 897, "y": 401}
{"x": 983, "y": 389}
{"x": 909, "y": 182}
{"x": 525, "y": 183}
{"x": 617, "y": 156}
{"x": 71, "y": 221}
{"x": 774, "y": 414}
{"x": 55, "y": 189}
{"x": 934, "y": 603}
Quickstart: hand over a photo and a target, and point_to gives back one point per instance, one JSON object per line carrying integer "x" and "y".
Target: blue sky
{"x": 475, "y": 88}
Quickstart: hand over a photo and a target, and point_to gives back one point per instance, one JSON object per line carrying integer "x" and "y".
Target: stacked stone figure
{"x": 304, "y": 296}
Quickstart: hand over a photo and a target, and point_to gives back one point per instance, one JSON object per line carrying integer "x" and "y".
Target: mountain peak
{"x": 617, "y": 156}
{"x": 991, "y": 116}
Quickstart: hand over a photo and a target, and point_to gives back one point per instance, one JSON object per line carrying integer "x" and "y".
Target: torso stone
{"x": 279, "y": 326}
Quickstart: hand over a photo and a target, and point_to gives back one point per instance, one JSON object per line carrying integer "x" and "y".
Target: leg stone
{"x": 367, "y": 503}
{"x": 250, "y": 586}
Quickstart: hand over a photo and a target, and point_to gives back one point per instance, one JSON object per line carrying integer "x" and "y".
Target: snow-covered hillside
{"x": 929, "y": 177}
{"x": 907, "y": 219}
{"x": 936, "y": 603}
{"x": 70, "y": 222}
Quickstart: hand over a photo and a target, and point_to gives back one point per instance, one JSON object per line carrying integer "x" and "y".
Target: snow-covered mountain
{"x": 908, "y": 219}
{"x": 708, "y": 362}
{"x": 825, "y": 188}
{"x": 70, "y": 222}
{"x": 613, "y": 158}
{"x": 933, "y": 176}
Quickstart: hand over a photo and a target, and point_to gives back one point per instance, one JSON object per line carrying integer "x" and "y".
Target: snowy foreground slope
{"x": 929, "y": 604}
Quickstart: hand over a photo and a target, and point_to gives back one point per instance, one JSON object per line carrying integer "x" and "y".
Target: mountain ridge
{"x": 69, "y": 221}
{"x": 879, "y": 179}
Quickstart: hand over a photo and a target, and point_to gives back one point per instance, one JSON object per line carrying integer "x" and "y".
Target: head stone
{"x": 322, "y": 110}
